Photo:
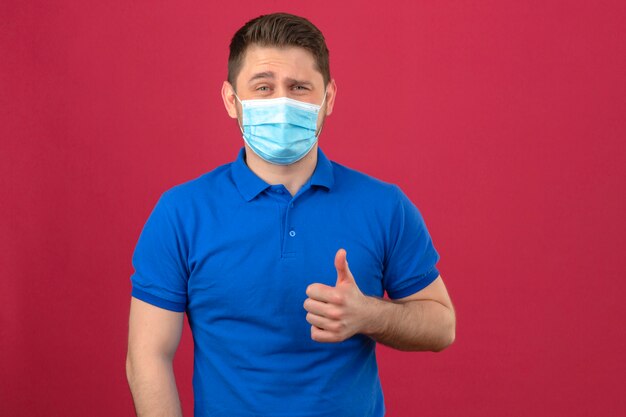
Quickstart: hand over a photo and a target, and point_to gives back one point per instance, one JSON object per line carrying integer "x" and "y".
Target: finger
{"x": 324, "y": 336}
{"x": 321, "y": 322}
{"x": 316, "y": 307}
{"x": 320, "y": 292}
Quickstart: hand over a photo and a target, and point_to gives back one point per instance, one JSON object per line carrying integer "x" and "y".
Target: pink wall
{"x": 503, "y": 121}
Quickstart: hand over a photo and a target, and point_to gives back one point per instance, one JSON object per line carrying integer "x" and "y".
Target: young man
{"x": 255, "y": 252}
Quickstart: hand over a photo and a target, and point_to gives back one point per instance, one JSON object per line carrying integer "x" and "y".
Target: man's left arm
{"x": 423, "y": 321}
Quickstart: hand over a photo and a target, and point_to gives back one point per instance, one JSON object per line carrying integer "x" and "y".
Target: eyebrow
{"x": 261, "y": 75}
{"x": 270, "y": 75}
{"x": 299, "y": 82}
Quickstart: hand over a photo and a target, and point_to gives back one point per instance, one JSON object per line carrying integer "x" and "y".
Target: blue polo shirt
{"x": 236, "y": 254}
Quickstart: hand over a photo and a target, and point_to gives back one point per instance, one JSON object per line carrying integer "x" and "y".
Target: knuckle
{"x": 335, "y": 326}
{"x": 335, "y": 314}
{"x": 338, "y": 299}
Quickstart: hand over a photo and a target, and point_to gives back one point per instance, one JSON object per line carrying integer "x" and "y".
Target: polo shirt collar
{"x": 323, "y": 174}
{"x": 250, "y": 185}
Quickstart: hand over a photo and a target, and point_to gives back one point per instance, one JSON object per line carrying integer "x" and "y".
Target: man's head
{"x": 279, "y": 55}
{"x": 278, "y": 30}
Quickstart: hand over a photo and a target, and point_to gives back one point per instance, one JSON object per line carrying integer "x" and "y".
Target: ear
{"x": 230, "y": 101}
{"x": 331, "y": 93}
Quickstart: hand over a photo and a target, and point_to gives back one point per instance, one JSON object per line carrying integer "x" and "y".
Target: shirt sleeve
{"x": 160, "y": 276}
{"x": 410, "y": 254}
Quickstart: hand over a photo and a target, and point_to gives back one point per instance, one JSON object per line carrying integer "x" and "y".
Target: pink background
{"x": 504, "y": 122}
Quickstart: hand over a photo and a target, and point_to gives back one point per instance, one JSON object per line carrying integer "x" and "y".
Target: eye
{"x": 299, "y": 88}
{"x": 263, "y": 88}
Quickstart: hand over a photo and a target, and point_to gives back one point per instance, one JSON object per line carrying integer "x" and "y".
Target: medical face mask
{"x": 280, "y": 130}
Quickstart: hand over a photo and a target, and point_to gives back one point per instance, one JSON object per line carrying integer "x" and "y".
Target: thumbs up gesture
{"x": 336, "y": 313}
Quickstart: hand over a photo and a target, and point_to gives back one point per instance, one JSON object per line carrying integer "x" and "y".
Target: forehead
{"x": 291, "y": 61}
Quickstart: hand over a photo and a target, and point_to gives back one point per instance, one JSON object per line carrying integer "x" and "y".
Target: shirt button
{"x": 292, "y": 233}
{"x": 279, "y": 191}
{"x": 291, "y": 205}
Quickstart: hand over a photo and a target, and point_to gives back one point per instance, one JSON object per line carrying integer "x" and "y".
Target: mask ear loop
{"x": 324, "y": 100}
{"x": 319, "y": 132}
{"x": 239, "y": 124}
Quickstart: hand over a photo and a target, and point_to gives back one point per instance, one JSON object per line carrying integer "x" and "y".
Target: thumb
{"x": 341, "y": 265}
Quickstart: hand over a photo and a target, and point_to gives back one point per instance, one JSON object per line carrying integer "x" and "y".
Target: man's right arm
{"x": 153, "y": 337}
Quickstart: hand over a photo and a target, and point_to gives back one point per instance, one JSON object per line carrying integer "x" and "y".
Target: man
{"x": 255, "y": 252}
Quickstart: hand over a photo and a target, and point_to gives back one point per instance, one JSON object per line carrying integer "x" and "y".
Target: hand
{"x": 337, "y": 313}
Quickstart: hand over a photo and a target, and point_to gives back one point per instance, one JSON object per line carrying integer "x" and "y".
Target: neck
{"x": 292, "y": 176}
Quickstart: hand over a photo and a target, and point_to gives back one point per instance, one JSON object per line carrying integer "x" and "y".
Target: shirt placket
{"x": 288, "y": 229}
{"x": 290, "y": 233}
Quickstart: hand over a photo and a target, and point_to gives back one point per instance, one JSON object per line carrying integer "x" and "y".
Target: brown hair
{"x": 280, "y": 30}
